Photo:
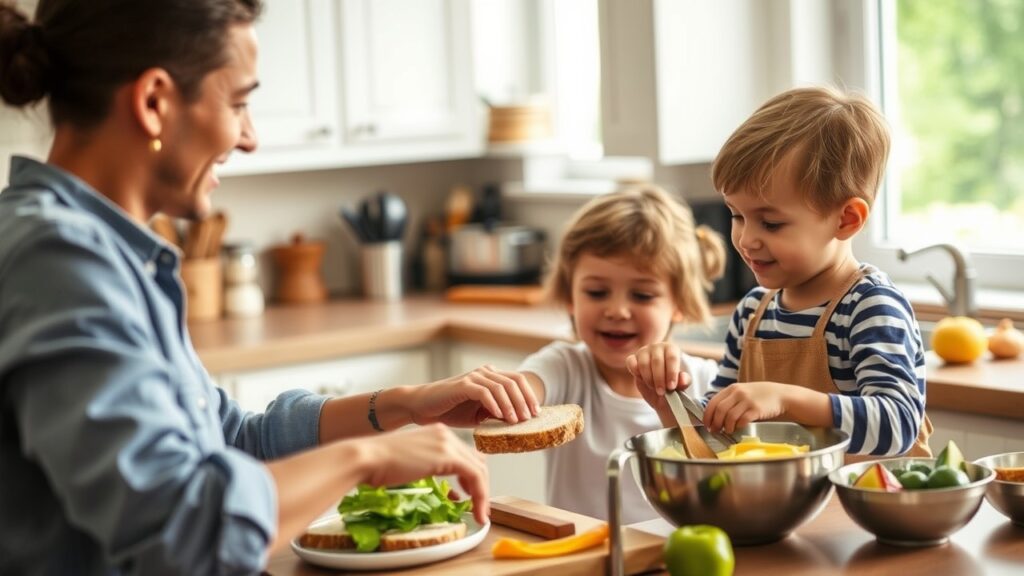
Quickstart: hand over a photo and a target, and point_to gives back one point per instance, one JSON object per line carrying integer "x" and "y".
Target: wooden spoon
{"x": 693, "y": 443}
{"x": 218, "y": 226}
{"x": 165, "y": 228}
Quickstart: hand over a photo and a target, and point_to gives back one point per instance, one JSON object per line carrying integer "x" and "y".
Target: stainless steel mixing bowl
{"x": 1007, "y": 497}
{"x": 754, "y": 501}
{"x": 923, "y": 517}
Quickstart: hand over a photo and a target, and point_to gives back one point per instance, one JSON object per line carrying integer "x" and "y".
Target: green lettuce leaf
{"x": 370, "y": 511}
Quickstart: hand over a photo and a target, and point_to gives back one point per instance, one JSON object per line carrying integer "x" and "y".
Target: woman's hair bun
{"x": 24, "y": 62}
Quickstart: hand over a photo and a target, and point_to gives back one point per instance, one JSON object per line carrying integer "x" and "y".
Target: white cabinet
{"x": 523, "y": 475}
{"x": 296, "y": 103}
{"x": 466, "y": 356}
{"x": 407, "y": 71}
{"x": 678, "y": 76}
{"x": 355, "y": 375}
{"x": 976, "y": 435}
{"x": 361, "y": 82}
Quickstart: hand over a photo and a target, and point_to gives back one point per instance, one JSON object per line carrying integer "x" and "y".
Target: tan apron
{"x": 804, "y": 362}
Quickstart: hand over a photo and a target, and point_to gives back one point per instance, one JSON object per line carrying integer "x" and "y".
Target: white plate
{"x": 352, "y": 560}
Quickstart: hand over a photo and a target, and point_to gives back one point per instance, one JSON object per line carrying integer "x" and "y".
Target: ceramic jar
{"x": 298, "y": 271}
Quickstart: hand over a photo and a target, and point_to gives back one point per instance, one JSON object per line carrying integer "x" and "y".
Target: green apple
{"x": 699, "y": 550}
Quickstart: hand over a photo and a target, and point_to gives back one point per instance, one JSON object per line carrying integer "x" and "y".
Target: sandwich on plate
{"x": 387, "y": 519}
{"x": 552, "y": 426}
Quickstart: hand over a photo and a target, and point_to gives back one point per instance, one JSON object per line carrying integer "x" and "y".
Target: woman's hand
{"x": 469, "y": 399}
{"x": 413, "y": 453}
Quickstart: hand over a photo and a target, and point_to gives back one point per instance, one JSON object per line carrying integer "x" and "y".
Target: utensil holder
{"x": 382, "y": 270}
{"x": 203, "y": 288}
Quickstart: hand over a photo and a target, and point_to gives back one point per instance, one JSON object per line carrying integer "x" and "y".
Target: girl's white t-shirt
{"x": 577, "y": 471}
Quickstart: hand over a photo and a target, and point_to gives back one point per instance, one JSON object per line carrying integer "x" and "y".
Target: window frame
{"x": 870, "y": 26}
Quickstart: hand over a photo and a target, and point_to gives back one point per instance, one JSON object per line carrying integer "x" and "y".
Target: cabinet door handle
{"x": 364, "y": 130}
{"x": 322, "y": 132}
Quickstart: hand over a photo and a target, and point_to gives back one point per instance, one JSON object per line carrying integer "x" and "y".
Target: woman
{"x": 118, "y": 455}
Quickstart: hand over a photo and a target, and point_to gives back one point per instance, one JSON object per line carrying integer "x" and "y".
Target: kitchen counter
{"x": 296, "y": 334}
{"x": 829, "y": 544}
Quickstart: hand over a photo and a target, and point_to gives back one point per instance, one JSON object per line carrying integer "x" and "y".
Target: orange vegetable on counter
{"x": 512, "y": 548}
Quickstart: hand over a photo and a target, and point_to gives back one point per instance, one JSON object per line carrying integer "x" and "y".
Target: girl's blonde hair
{"x": 657, "y": 233}
{"x": 841, "y": 139}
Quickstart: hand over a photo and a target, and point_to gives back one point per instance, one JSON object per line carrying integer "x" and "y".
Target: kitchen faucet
{"x": 960, "y": 301}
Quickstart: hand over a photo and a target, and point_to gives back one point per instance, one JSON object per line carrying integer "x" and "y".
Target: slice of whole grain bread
{"x": 552, "y": 426}
{"x": 330, "y": 534}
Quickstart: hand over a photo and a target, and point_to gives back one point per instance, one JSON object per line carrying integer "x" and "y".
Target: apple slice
{"x": 877, "y": 477}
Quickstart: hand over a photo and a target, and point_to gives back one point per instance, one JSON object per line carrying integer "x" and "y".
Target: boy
{"x": 823, "y": 340}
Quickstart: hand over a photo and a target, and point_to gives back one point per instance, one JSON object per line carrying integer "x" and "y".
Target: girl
{"x": 631, "y": 264}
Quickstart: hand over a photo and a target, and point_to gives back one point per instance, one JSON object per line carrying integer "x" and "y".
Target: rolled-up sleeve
{"x": 106, "y": 416}
{"x": 290, "y": 424}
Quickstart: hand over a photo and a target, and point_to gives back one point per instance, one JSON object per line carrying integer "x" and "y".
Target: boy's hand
{"x": 744, "y": 402}
{"x": 657, "y": 368}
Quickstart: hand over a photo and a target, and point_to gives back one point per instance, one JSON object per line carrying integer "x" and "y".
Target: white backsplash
{"x": 267, "y": 210}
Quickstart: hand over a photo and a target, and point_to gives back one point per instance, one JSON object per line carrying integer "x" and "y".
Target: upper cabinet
{"x": 361, "y": 82}
{"x": 406, "y": 67}
{"x": 296, "y": 105}
{"x": 679, "y": 76}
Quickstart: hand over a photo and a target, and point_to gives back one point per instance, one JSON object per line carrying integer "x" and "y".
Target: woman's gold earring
{"x": 156, "y": 145}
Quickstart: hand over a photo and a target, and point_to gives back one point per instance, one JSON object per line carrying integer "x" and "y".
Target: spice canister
{"x": 242, "y": 293}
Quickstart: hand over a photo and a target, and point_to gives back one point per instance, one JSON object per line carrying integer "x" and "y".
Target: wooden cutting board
{"x": 641, "y": 551}
{"x": 495, "y": 294}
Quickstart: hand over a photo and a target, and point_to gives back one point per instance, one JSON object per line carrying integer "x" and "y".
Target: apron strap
{"x": 755, "y": 320}
{"x": 819, "y": 328}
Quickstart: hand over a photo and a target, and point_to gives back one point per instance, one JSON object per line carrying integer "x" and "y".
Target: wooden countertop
{"x": 295, "y": 334}
{"x": 829, "y": 544}
{"x": 641, "y": 553}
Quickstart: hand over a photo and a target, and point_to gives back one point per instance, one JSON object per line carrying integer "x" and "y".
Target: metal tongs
{"x": 685, "y": 409}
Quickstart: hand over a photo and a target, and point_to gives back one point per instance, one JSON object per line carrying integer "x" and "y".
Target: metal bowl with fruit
{"x": 913, "y": 501}
{"x": 1006, "y": 492}
{"x": 754, "y": 501}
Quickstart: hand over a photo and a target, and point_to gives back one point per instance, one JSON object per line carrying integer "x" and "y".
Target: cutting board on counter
{"x": 641, "y": 552}
{"x": 495, "y": 294}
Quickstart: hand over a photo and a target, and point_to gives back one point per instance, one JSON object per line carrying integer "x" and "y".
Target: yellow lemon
{"x": 959, "y": 339}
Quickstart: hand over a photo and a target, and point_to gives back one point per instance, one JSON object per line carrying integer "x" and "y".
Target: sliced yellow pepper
{"x": 512, "y": 548}
{"x": 752, "y": 447}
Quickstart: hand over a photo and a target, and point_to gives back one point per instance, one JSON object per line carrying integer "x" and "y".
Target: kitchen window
{"x": 948, "y": 76}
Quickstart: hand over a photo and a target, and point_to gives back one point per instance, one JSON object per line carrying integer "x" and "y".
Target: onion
{"x": 1006, "y": 341}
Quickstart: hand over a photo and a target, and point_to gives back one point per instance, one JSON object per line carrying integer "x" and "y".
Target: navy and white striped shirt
{"x": 875, "y": 357}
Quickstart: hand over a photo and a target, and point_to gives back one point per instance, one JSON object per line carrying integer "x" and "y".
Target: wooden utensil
{"x": 218, "y": 227}
{"x": 531, "y": 522}
{"x": 693, "y": 443}
{"x": 526, "y": 295}
{"x": 165, "y": 228}
{"x": 697, "y": 412}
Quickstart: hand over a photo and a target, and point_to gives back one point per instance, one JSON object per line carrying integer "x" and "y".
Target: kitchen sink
{"x": 927, "y": 328}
